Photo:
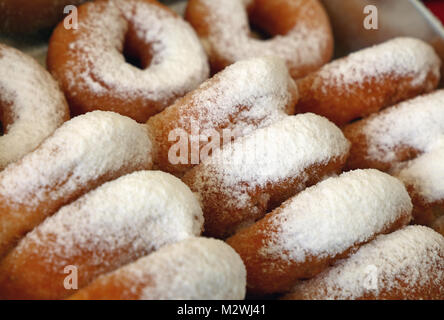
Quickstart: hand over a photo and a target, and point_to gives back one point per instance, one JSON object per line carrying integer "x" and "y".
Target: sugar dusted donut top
{"x": 246, "y": 95}
{"x": 401, "y": 261}
{"x": 402, "y": 57}
{"x": 254, "y": 91}
{"x": 261, "y": 84}
{"x": 271, "y": 154}
{"x": 95, "y": 61}
{"x": 426, "y": 173}
{"x": 193, "y": 269}
{"x": 177, "y": 52}
{"x": 33, "y": 105}
{"x": 336, "y": 214}
{"x": 119, "y": 221}
{"x": 82, "y": 149}
{"x": 229, "y": 35}
{"x": 417, "y": 123}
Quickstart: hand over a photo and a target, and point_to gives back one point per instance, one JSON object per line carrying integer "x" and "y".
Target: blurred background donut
{"x": 31, "y": 16}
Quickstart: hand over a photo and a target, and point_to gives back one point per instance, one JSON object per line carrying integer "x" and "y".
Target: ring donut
{"x": 300, "y": 30}
{"x": 82, "y": 154}
{"x": 370, "y": 80}
{"x": 246, "y": 179}
{"x": 406, "y": 265}
{"x": 397, "y": 134}
{"x": 91, "y": 67}
{"x": 108, "y": 227}
{"x": 188, "y": 270}
{"x": 237, "y": 100}
{"x": 318, "y": 226}
{"x": 31, "y": 105}
{"x": 31, "y": 16}
{"x": 424, "y": 179}
{"x": 404, "y": 140}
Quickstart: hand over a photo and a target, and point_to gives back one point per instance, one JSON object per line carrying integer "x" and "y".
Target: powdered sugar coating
{"x": 116, "y": 223}
{"x": 247, "y": 95}
{"x": 261, "y": 84}
{"x": 403, "y": 261}
{"x": 193, "y": 269}
{"x": 269, "y": 155}
{"x": 426, "y": 173}
{"x": 416, "y": 123}
{"x": 82, "y": 149}
{"x": 406, "y": 57}
{"x": 178, "y": 64}
{"x": 255, "y": 91}
{"x": 229, "y": 36}
{"x": 33, "y": 101}
{"x": 336, "y": 214}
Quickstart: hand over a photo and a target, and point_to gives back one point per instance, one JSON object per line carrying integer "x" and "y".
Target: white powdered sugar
{"x": 407, "y": 57}
{"x": 336, "y": 214}
{"x": 269, "y": 155}
{"x": 401, "y": 261}
{"x": 254, "y": 91}
{"x": 230, "y": 36}
{"x": 178, "y": 65}
{"x": 34, "y": 102}
{"x": 416, "y": 123}
{"x": 193, "y": 269}
{"x": 117, "y": 223}
{"x": 426, "y": 173}
{"x": 83, "y": 149}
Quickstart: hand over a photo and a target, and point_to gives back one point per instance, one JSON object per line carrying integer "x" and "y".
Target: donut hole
{"x": 6, "y": 116}
{"x": 136, "y": 52}
{"x": 132, "y": 59}
{"x": 258, "y": 32}
{"x": 267, "y": 19}
{"x": 2, "y": 120}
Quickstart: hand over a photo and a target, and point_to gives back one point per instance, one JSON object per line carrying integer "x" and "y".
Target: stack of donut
{"x": 282, "y": 175}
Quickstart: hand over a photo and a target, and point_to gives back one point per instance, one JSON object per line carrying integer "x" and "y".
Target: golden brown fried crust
{"x": 425, "y": 212}
{"x": 399, "y": 287}
{"x": 270, "y": 274}
{"x": 342, "y": 104}
{"x": 28, "y": 275}
{"x": 360, "y": 157}
{"x": 424, "y": 290}
{"x": 112, "y": 287}
{"x": 222, "y": 219}
{"x": 17, "y": 219}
